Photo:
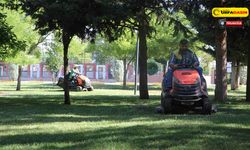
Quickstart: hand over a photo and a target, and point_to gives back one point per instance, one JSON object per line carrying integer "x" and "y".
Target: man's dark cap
{"x": 184, "y": 42}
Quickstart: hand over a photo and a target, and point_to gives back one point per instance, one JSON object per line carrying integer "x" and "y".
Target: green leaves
{"x": 53, "y": 58}
{"x": 122, "y": 48}
{"x": 77, "y": 51}
{"x": 23, "y": 28}
{"x": 9, "y": 44}
{"x": 22, "y": 58}
{"x": 152, "y": 67}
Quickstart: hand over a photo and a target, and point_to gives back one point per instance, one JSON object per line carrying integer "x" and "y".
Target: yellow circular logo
{"x": 216, "y": 12}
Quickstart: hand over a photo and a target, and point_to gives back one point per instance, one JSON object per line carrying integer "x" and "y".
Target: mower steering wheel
{"x": 180, "y": 66}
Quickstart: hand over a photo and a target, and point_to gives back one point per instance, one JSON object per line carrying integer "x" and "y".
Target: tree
{"x": 244, "y": 33}
{"x": 122, "y": 49}
{"x": 236, "y": 54}
{"x": 54, "y": 54}
{"x": 83, "y": 18}
{"x": 140, "y": 13}
{"x": 22, "y": 58}
{"x": 53, "y": 58}
{"x": 78, "y": 49}
{"x": 166, "y": 37}
{"x": 22, "y": 26}
{"x": 248, "y": 75}
{"x": 209, "y": 32}
{"x": 247, "y": 43}
{"x": 244, "y": 45}
{"x": 152, "y": 67}
{"x": 221, "y": 66}
{"x": 9, "y": 44}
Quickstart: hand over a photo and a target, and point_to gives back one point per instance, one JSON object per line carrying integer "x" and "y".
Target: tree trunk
{"x": 248, "y": 76}
{"x": 235, "y": 75}
{"x": 125, "y": 70}
{"x": 221, "y": 66}
{"x": 18, "y": 87}
{"x": 54, "y": 77}
{"x": 143, "y": 57}
{"x": 66, "y": 41}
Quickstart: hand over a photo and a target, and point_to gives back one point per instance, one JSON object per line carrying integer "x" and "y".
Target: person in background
{"x": 73, "y": 72}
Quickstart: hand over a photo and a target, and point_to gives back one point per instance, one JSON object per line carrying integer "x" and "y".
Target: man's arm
{"x": 196, "y": 62}
{"x": 172, "y": 61}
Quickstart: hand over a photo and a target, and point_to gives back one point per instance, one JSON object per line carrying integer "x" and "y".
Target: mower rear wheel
{"x": 166, "y": 103}
{"x": 206, "y": 106}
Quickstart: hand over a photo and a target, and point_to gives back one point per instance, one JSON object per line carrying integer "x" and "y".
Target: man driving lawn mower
{"x": 181, "y": 58}
{"x": 77, "y": 81}
{"x": 184, "y": 84}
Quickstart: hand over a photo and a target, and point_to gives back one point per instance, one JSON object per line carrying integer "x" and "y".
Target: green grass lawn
{"x": 112, "y": 118}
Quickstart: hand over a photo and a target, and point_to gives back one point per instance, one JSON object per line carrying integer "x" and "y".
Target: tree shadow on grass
{"x": 50, "y": 87}
{"x": 198, "y": 136}
{"x": 120, "y": 87}
{"x": 236, "y": 92}
{"x": 42, "y": 109}
{"x": 222, "y": 131}
{"x": 48, "y": 109}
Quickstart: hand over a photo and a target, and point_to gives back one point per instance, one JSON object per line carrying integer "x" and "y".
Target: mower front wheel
{"x": 78, "y": 88}
{"x": 166, "y": 103}
{"x": 206, "y": 106}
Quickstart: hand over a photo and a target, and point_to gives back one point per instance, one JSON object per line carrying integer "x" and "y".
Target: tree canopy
{"x": 9, "y": 44}
{"x": 82, "y": 18}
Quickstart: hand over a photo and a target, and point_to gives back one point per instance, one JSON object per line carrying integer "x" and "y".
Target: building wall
{"x": 40, "y": 72}
{"x": 93, "y": 71}
{"x": 4, "y": 71}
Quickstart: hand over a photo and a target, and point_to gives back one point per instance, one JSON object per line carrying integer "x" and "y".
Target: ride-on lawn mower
{"x": 188, "y": 89}
{"x": 77, "y": 83}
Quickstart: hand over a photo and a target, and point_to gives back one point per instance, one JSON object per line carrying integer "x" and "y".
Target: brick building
{"x": 40, "y": 72}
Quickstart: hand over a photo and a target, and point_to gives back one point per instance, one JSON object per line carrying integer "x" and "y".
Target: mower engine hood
{"x": 186, "y": 76}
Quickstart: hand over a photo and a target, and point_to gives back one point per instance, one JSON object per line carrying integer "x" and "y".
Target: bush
{"x": 152, "y": 67}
